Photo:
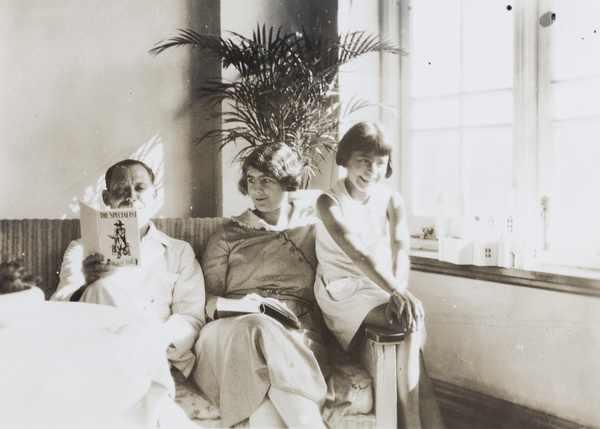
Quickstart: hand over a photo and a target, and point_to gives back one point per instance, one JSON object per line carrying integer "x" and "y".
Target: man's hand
{"x": 94, "y": 269}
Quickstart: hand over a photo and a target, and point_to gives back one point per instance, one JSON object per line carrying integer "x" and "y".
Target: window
{"x": 500, "y": 120}
{"x": 569, "y": 130}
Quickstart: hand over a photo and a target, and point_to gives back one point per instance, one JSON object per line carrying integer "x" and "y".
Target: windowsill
{"x": 560, "y": 279}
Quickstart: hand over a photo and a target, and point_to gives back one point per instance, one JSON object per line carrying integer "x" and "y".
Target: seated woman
{"x": 251, "y": 365}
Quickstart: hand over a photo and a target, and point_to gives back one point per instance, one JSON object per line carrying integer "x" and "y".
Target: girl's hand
{"x": 407, "y": 309}
{"x": 391, "y": 313}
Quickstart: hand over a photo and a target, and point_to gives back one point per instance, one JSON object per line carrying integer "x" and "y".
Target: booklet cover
{"x": 114, "y": 233}
{"x": 271, "y": 307}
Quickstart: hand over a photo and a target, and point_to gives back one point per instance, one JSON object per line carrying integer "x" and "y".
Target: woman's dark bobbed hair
{"x": 277, "y": 160}
{"x": 365, "y": 136}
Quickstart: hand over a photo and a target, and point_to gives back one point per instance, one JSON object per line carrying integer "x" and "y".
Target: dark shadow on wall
{"x": 206, "y": 195}
{"x": 324, "y": 19}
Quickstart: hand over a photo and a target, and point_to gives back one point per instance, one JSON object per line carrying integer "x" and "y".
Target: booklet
{"x": 227, "y": 307}
{"x": 114, "y": 233}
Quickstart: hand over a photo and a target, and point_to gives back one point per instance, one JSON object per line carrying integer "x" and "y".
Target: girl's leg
{"x": 407, "y": 369}
{"x": 407, "y": 361}
{"x": 431, "y": 418}
{"x": 266, "y": 416}
{"x": 296, "y": 410}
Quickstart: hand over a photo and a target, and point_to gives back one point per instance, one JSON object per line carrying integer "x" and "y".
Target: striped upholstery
{"x": 195, "y": 231}
{"x": 41, "y": 243}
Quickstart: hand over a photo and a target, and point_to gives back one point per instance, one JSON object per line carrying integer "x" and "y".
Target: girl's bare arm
{"x": 333, "y": 220}
{"x": 402, "y": 302}
{"x": 399, "y": 238}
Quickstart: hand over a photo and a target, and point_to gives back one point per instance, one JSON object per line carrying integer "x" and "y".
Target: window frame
{"x": 524, "y": 110}
{"x": 530, "y": 65}
{"x": 573, "y": 281}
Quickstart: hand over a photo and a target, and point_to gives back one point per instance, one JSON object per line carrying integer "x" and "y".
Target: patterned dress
{"x": 240, "y": 358}
{"x": 343, "y": 292}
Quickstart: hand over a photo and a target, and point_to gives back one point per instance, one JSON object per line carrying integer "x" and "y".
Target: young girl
{"x": 362, "y": 247}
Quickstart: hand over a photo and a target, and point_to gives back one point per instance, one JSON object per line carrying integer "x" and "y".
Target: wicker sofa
{"x": 41, "y": 244}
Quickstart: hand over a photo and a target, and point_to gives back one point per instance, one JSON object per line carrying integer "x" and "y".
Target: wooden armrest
{"x": 377, "y": 353}
{"x": 379, "y": 334}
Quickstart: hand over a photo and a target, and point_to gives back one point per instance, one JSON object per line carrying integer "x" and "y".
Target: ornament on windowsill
{"x": 427, "y": 233}
{"x": 475, "y": 241}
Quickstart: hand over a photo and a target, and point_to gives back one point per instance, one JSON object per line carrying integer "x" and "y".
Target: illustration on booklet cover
{"x": 113, "y": 233}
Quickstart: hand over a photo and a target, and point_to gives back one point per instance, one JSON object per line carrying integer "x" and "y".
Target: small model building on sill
{"x": 466, "y": 240}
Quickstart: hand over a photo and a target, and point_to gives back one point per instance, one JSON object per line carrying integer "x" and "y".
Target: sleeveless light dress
{"x": 345, "y": 295}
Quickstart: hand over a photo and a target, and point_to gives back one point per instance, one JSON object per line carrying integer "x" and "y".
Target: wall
{"x": 79, "y": 91}
{"x": 532, "y": 347}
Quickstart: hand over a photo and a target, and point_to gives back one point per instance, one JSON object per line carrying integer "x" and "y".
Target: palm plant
{"x": 285, "y": 90}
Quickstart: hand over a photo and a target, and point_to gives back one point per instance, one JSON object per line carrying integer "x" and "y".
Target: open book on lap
{"x": 113, "y": 233}
{"x": 254, "y": 304}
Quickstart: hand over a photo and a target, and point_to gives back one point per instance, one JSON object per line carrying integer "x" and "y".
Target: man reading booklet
{"x": 167, "y": 285}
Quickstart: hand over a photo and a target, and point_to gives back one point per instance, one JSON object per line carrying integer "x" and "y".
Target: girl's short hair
{"x": 277, "y": 160}
{"x": 365, "y": 136}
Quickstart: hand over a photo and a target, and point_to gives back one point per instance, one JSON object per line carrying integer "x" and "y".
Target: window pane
{"x": 487, "y": 170}
{"x": 461, "y": 105}
{"x": 435, "y": 160}
{"x": 574, "y": 206}
{"x": 576, "y": 39}
{"x": 487, "y": 45}
{"x": 473, "y": 110}
{"x": 435, "y": 47}
{"x": 495, "y": 108}
{"x": 442, "y": 112}
{"x": 576, "y": 99}
{"x": 568, "y": 148}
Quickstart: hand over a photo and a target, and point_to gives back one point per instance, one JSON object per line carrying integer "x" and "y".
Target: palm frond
{"x": 286, "y": 88}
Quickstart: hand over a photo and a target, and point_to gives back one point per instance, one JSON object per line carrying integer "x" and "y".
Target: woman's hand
{"x": 211, "y": 308}
{"x": 94, "y": 269}
{"x": 406, "y": 309}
